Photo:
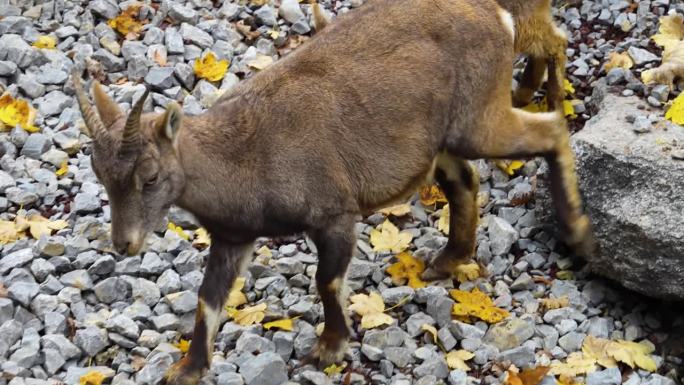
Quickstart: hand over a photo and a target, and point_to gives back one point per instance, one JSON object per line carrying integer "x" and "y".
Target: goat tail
{"x": 320, "y": 21}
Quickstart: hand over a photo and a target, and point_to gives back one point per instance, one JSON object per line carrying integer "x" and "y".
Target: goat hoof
{"x": 431, "y": 274}
{"x": 330, "y": 350}
{"x": 581, "y": 240}
{"x": 181, "y": 373}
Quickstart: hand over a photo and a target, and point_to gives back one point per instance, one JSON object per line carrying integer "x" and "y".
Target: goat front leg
{"x": 335, "y": 245}
{"x": 531, "y": 81}
{"x": 222, "y": 268}
{"x": 460, "y": 183}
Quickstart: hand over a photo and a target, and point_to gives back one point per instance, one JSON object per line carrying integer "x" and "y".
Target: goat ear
{"x": 172, "y": 121}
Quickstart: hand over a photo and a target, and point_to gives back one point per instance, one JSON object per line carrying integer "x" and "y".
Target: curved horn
{"x": 131, "y": 135}
{"x": 93, "y": 123}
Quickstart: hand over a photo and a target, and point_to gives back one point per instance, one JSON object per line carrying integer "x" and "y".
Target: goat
{"x": 350, "y": 122}
{"x": 544, "y": 44}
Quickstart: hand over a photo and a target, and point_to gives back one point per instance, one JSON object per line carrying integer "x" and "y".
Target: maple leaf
{"x": 183, "y": 345}
{"x": 209, "y": 68}
{"x": 286, "y": 324}
{"x": 568, "y": 87}
{"x": 178, "y": 230}
{"x": 9, "y": 232}
{"x": 236, "y": 296}
{"x": 45, "y": 42}
{"x": 92, "y": 377}
{"x": 575, "y": 365}
{"x": 670, "y": 32}
{"x": 249, "y": 315}
{"x": 467, "y": 272}
{"x": 633, "y": 354}
{"x": 260, "y": 62}
{"x": 676, "y": 111}
{"x": 618, "y": 60}
{"x": 510, "y": 167}
{"x": 16, "y": 112}
{"x": 389, "y": 238}
{"x": 396, "y": 210}
{"x": 671, "y": 38}
{"x": 433, "y": 332}
{"x": 334, "y": 369}
{"x": 477, "y": 304}
{"x": 127, "y": 23}
{"x": 371, "y": 308}
{"x": 534, "y": 107}
{"x": 443, "y": 222}
{"x": 408, "y": 269}
{"x": 37, "y": 225}
{"x": 554, "y": 303}
{"x": 63, "y": 169}
{"x": 569, "y": 108}
{"x": 595, "y": 349}
{"x": 529, "y": 376}
{"x": 456, "y": 359}
{"x": 202, "y": 238}
{"x": 431, "y": 195}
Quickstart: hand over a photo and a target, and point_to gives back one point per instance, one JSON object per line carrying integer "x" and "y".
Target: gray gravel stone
{"x": 91, "y": 339}
{"x": 502, "y": 236}
{"x": 610, "y": 376}
{"x": 265, "y": 369}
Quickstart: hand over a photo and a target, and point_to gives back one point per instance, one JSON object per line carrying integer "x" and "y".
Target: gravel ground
{"x": 71, "y": 305}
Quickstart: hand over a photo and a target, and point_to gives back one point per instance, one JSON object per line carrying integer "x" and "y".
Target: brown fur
{"x": 544, "y": 44}
{"x": 350, "y": 121}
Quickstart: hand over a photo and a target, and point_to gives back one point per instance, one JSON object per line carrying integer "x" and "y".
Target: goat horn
{"x": 131, "y": 135}
{"x": 92, "y": 120}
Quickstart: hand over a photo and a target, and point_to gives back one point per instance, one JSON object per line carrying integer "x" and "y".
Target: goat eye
{"x": 152, "y": 180}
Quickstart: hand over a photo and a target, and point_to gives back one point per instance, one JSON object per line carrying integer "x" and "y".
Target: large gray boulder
{"x": 633, "y": 190}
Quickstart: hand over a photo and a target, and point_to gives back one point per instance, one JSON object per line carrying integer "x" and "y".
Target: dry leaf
{"x": 127, "y": 22}
{"x": 534, "y": 107}
{"x": 286, "y": 324}
{"x": 569, "y": 108}
{"x": 568, "y": 87}
{"x": 467, "y": 272}
{"x": 389, "y": 239}
{"x": 633, "y": 354}
{"x": 431, "y": 195}
{"x": 334, "y": 369}
{"x": 595, "y": 349}
{"x": 9, "y": 232}
{"x": 676, "y": 111}
{"x": 618, "y": 60}
{"x": 209, "y": 68}
{"x": 178, "y": 230}
{"x": 183, "y": 345}
{"x": 371, "y": 309}
{"x": 92, "y": 377}
{"x": 236, "y": 296}
{"x": 265, "y": 251}
{"x": 443, "y": 222}
{"x": 261, "y": 62}
{"x": 15, "y": 112}
{"x": 456, "y": 359}
{"x": 397, "y": 210}
{"x": 63, "y": 169}
{"x": 575, "y": 365}
{"x": 249, "y": 315}
{"x": 671, "y": 38}
{"x": 202, "y": 238}
{"x": 159, "y": 55}
{"x": 408, "y": 269}
{"x": 528, "y": 376}
{"x": 554, "y": 303}
{"x": 37, "y": 225}
{"x": 433, "y": 331}
{"x": 477, "y": 304}
{"x": 45, "y": 42}
{"x": 510, "y": 167}
{"x": 670, "y": 32}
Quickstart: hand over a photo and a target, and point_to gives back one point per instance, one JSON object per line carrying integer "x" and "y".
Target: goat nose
{"x": 122, "y": 248}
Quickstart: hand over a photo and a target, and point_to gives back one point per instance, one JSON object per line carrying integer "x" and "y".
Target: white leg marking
{"x": 508, "y": 22}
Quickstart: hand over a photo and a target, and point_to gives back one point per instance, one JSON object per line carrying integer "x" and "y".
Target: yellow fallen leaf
{"x": 261, "y": 62}
{"x": 565, "y": 380}
{"x": 676, "y": 111}
{"x": 127, "y": 23}
{"x": 443, "y": 222}
{"x": 529, "y": 376}
{"x": 15, "y": 112}
{"x": 541, "y": 106}
{"x": 258, "y": 3}
{"x": 209, "y": 68}
{"x": 456, "y": 359}
{"x": 371, "y": 309}
{"x": 408, "y": 269}
{"x": 9, "y": 232}
{"x": 202, "y": 238}
{"x": 334, "y": 369}
{"x": 569, "y": 88}
{"x": 389, "y": 239}
{"x": 510, "y": 167}
{"x": 92, "y": 377}
{"x": 286, "y": 324}
{"x": 178, "y": 230}
{"x": 670, "y": 32}
{"x": 397, "y": 210}
{"x": 45, "y": 42}
{"x": 618, "y": 60}
{"x": 265, "y": 251}
{"x": 596, "y": 349}
{"x": 575, "y": 365}
{"x": 249, "y": 315}
{"x": 183, "y": 345}
{"x": 633, "y": 354}
{"x": 467, "y": 272}
{"x": 433, "y": 331}
{"x": 236, "y": 296}
{"x": 477, "y": 304}
{"x": 565, "y": 275}
{"x": 569, "y": 108}
{"x": 671, "y": 38}
{"x": 431, "y": 195}
{"x": 554, "y": 303}
{"x": 38, "y": 225}
{"x": 63, "y": 169}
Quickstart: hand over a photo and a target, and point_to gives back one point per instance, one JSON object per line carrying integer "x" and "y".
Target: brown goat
{"x": 544, "y": 44}
{"x": 352, "y": 121}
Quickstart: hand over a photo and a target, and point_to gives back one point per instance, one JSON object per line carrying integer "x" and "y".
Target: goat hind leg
{"x": 531, "y": 81}
{"x": 460, "y": 183}
{"x": 222, "y": 269}
{"x": 335, "y": 245}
